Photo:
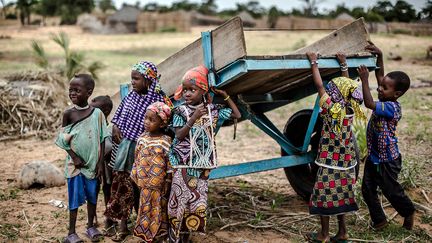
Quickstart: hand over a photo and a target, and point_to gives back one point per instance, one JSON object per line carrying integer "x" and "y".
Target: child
{"x": 128, "y": 125}
{"x": 384, "y": 160}
{"x": 193, "y": 152}
{"x": 151, "y": 172}
{"x": 333, "y": 190}
{"x": 83, "y": 133}
{"x": 104, "y": 103}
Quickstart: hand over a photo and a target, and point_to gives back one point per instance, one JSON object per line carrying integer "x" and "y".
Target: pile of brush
{"x": 31, "y": 104}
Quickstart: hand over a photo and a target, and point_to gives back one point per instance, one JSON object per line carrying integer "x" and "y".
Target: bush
{"x": 11, "y": 16}
{"x": 167, "y": 29}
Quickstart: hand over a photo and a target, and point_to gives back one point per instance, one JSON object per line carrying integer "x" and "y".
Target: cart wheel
{"x": 302, "y": 177}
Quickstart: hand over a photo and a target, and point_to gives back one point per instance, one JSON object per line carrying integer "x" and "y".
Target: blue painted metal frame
{"x": 240, "y": 67}
{"x": 311, "y": 125}
{"x": 296, "y": 156}
{"x": 261, "y": 165}
{"x": 124, "y": 90}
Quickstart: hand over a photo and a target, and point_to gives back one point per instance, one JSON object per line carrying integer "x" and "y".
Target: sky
{"x": 280, "y": 4}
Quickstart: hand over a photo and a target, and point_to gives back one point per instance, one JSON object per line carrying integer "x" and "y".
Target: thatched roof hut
{"x": 125, "y": 19}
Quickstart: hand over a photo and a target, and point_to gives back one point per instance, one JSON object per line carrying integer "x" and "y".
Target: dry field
{"x": 260, "y": 207}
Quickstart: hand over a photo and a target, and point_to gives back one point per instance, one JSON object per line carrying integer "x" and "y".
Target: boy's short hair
{"x": 402, "y": 80}
{"x": 105, "y": 101}
{"x": 87, "y": 79}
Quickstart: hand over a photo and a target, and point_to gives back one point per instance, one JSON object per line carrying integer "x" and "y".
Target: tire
{"x": 302, "y": 177}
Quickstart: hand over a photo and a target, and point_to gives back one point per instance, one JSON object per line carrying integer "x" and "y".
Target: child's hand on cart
{"x": 313, "y": 57}
{"x": 372, "y": 48}
{"x": 363, "y": 73}
{"x": 341, "y": 57}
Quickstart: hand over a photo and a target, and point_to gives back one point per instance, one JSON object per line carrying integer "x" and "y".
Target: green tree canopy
{"x": 105, "y": 5}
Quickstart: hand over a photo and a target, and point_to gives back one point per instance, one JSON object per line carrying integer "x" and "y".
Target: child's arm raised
{"x": 182, "y": 132}
{"x": 379, "y": 73}
{"x": 236, "y": 113}
{"x": 341, "y": 57}
{"x": 313, "y": 58}
{"x": 367, "y": 96}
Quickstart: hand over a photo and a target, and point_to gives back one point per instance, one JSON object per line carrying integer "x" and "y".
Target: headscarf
{"x": 161, "y": 110}
{"x": 344, "y": 91}
{"x": 197, "y": 76}
{"x": 149, "y": 71}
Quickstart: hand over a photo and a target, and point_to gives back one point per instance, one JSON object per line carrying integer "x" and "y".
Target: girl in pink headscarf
{"x": 151, "y": 172}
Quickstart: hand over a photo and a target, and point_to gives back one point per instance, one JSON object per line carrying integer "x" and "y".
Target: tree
{"x": 252, "y": 7}
{"x": 105, "y": 5}
{"x": 46, "y": 8}
{"x": 70, "y": 9}
{"x": 427, "y": 10}
{"x": 24, "y": 7}
{"x": 385, "y": 9}
{"x": 311, "y": 8}
{"x": 273, "y": 17}
{"x": 184, "y": 5}
{"x": 404, "y": 12}
{"x": 401, "y": 11}
{"x": 208, "y": 7}
{"x": 339, "y": 10}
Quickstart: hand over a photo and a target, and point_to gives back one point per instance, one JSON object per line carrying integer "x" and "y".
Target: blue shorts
{"x": 81, "y": 189}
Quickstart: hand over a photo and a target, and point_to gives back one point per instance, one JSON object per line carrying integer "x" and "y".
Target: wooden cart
{"x": 259, "y": 84}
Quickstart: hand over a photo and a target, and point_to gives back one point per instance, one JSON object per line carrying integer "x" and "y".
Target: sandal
{"x": 110, "y": 231}
{"x": 313, "y": 237}
{"x": 94, "y": 234}
{"x": 120, "y": 236}
{"x": 73, "y": 238}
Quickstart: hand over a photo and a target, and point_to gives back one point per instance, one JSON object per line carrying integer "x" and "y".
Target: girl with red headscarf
{"x": 193, "y": 152}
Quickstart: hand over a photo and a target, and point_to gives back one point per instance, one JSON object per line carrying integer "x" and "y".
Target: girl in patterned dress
{"x": 128, "y": 125}
{"x": 193, "y": 152}
{"x": 151, "y": 172}
{"x": 333, "y": 192}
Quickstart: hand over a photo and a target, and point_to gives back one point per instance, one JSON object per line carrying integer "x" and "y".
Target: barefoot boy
{"x": 384, "y": 160}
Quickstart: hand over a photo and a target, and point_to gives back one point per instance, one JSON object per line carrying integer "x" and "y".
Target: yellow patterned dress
{"x": 150, "y": 172}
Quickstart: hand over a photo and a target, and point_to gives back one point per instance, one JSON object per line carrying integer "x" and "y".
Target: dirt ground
{"x": 260, "y": 207}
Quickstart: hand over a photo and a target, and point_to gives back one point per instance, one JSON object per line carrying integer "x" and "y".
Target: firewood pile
{"x": 31, "y": 104}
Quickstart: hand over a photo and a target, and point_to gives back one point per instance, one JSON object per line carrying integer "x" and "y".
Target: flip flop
{"x": 110, "y": 231}
{"x": 94, "y": 234}
{"x": 313, "y": 237}
{"x": 120, "y": 236}
{"x": 73, "y": 238}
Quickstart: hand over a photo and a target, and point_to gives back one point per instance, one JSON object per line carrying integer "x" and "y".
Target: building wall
{"x": 154, "y": 22}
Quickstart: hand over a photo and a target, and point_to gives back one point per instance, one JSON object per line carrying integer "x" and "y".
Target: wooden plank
{"x": 350, "y": 39}
{"x": 228, "y": 46}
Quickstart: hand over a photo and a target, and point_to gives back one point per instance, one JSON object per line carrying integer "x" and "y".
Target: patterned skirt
{"x": 122, "y": 196}
{"x": 187, "y": 205}
{"x": 152, "y": 220}
{"x": 333, "y": 192}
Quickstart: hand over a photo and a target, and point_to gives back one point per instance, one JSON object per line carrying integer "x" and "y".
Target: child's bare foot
{"x": 339, "y": 239}
{"x": 409, "y": 222}
{"x": 379, "y": 226}
{"x": 317, "y": 237}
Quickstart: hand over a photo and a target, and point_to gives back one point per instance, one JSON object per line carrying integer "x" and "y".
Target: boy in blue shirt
{"x": 384, "y": 160}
